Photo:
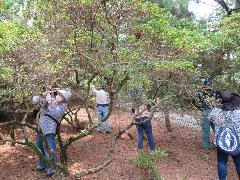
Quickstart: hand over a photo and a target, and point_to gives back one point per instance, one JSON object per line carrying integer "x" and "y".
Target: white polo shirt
{"x": 102, "y": 97}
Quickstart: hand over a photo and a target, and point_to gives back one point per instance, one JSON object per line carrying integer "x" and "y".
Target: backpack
{"x": 227, "y": 139}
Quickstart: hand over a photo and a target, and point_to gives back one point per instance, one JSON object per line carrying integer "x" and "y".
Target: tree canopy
{"x": 155, "y": 45}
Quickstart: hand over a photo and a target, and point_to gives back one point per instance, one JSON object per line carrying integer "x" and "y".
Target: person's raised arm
{"x": 38, "y": 100}
{"x": 93, "y": 89}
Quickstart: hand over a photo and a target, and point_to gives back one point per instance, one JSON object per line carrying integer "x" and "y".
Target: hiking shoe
{"x": 50, "y": 173}
{"x": 152, "y": 152}
{"x": 40, "y": 168}
{"x": 212, "y": 147}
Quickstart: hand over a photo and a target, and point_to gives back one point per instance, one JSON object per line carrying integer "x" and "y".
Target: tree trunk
{"x": 166, "y": 110}
{"x": 167, "y": 120}
{"x": 12, "y": 134}
{"x": 63, "y": 157}
{"x": 237, "y": 6}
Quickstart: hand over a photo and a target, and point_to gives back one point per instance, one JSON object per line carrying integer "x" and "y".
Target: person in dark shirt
{"x": 208, "y": 97}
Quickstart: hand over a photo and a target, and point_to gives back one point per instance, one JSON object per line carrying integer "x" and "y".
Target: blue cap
{"x": 207, "y": 82}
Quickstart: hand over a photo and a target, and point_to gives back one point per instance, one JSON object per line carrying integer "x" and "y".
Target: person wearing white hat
{"x": 50, "y": 117}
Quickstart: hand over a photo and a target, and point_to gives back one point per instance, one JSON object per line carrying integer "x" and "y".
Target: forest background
{"x": 156, "y": 46}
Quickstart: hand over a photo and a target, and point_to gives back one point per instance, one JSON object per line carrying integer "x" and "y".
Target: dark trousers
{"x": 222, "y": 159}
{"x": 147, "y": 128}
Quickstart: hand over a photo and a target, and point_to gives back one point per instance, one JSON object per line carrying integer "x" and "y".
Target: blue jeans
{"x": 147, "y": 128}
{"x": 51, "y": 143}
{"x": 102, "y": 113}
{"x": 206, "y": 124}
{"x": 222, "y": 159}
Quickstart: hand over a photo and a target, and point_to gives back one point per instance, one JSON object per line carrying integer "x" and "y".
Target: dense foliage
{"x": 128, "y": 44}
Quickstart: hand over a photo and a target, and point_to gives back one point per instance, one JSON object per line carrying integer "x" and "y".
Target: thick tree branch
{"x": 110, "y": 155}
{"x": 223, "y": 4}
{"x": 226, "y": 7}
{"x": 114, "y": 142}
{"x": 90, "y": 60}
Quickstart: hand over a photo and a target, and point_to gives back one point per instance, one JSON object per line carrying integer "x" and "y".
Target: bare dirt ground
{"x": 185, "y": 160}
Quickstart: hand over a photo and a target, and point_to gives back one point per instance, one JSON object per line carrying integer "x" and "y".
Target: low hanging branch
{"x": 90, "y": 60}
{"x": 91, "y": 127}
{"x": 28, "y": 143}
{"x": 86, "y": 131}
{"x": 88, "y": 92}
{"x": 24, "y": 127}
{"x": 226, "y": 7}
{"x": 20, "y": 123}
{"x": 58, "y": 167}
{"x": 110, "y": 154}
{"x": 114, "y": 142}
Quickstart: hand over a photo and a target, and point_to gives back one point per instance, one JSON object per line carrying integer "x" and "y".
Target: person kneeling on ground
{"x": 51, "y": 115}
{"x": 143, "y": 120}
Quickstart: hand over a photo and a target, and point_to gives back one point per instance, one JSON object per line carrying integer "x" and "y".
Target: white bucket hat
{"x": 66, "y": 94}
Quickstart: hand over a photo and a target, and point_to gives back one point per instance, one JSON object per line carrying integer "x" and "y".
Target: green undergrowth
{"x": 147, "y": 163}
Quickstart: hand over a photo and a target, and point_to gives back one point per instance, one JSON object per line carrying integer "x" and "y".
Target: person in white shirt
{"x": 102, "y": 102}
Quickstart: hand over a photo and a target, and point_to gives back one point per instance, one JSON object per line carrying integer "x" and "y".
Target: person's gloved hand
{"x": 36, "y": 99}
{"x": 212, "y": 117}
{"x": 148, "y": 107}
{"x": 133, "y": 110}
{"x": 92, "y": 86}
